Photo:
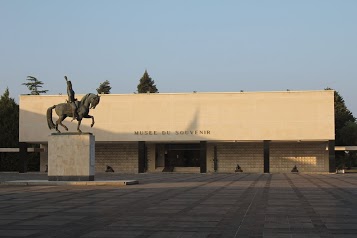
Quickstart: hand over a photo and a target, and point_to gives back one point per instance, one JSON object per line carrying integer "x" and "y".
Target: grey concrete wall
{"x": 249, "y": 156}
{"x": 121, "y": 157}
{"x": 307, "y": 156}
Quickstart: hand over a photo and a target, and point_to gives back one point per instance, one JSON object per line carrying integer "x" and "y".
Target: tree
{"x": 342, "y": 117}
{"x": 33, "y": 85}
{"x": 104, "y": 88}
{"x": 9, "y": 130}
{"x": 9, "y": 136}
{"x": 147, "y": 84}
{"x": 9, "y": 121}
{"x": 345, "y": 131}
{"x": 349, "y": 133}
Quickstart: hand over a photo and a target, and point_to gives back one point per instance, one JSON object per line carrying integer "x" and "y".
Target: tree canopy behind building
{"x": 9, "y": 131}
{"x": 345, "y": 132}
{"x": 343, "y": 117}
{"x": 33, "y": 85}
{"x": 146, "y": 84}
{"x": 104, "y": 88}
{"x": 9, "y": 121}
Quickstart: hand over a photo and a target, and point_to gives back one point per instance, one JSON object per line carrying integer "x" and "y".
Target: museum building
{"x": 253, "y": 132}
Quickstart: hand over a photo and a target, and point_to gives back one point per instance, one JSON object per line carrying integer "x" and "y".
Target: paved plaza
{"x": 183, "y": 205}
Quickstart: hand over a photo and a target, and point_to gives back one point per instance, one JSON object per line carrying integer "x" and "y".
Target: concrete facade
{"x": 308, "y": 157}
{"x": 249, "y": 156}
{"x": 121, "y": 157}
{"x": 282, "y": 116}
{"x": 233, "y": 126}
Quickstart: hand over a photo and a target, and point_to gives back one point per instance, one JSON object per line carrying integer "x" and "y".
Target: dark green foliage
{"x": 9, "y": 131}
{"x": 9, "y": 121}
{"x": 147, "y": 84}
{"x": 348, "y": 133}
{"x": 9, "y": 136}
{"x": 342, "y": 117}
{"x": 33, "y": 85}
{"x": 345, "y": 132}
{"x": 104, "y": 88}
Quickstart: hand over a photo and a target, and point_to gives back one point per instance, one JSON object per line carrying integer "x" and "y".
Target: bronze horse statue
{"x": 63, "y": 110}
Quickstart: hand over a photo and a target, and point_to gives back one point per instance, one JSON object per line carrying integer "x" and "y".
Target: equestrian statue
{"x": 72, "y": 108}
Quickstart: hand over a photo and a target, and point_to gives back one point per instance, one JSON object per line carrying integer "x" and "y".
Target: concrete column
{"x": 141, "y": 156}
{"x": 23, "y": 156}
{"x": 43, "y": 157}
{"x": 203, "y": 156}
{"x": 331, "y": 156}
{"x": 151, "y": 152}
{"x": 266, "y": 156}
{"x": 215, "y": 159}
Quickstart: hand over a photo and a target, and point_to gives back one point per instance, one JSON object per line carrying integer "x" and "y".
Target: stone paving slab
{"x": 183, "y": 205}
{"x": 64, "y": 183}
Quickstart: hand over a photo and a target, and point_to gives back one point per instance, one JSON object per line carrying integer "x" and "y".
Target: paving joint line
{"x": 317, "y": 223}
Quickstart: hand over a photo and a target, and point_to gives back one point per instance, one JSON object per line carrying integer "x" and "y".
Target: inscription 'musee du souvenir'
{"x": 189, "y": 132}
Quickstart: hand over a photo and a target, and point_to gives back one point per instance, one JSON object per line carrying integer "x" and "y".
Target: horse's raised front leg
{"x": 89, "y": 116}
{"x": 91, "y": 125}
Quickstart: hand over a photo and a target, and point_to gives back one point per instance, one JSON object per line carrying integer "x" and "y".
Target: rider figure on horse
{"x": 71, "y": 99}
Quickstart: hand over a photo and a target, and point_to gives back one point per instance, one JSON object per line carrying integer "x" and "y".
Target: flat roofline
{"x": 196, "y": 141}
{"x": 184, "y": 93}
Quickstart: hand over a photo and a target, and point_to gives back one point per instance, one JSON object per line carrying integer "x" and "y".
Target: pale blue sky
{"x": 185, "y": 45}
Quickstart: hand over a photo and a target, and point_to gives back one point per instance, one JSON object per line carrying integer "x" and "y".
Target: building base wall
{"x": 44, "y": 158}
{"x": 122, "y": 157}
{"x": 309, "y": 157}
{"x": 249, "y": 156}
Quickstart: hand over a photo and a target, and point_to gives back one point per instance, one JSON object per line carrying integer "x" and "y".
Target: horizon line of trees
{"x": 146, "y": 85}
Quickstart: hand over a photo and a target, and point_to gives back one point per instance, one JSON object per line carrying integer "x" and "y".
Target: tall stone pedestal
{"x": 71, "y": 157}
